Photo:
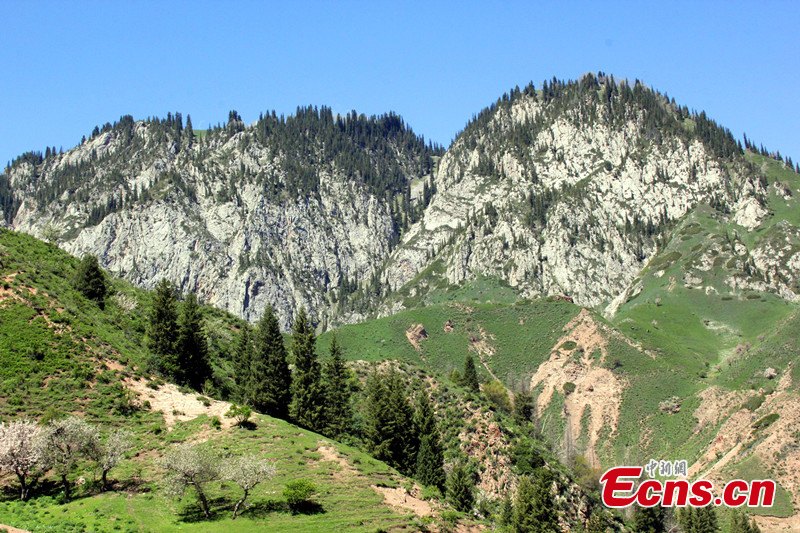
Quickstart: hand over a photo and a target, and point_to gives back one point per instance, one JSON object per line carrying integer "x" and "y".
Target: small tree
{"x": 191, "y": 465}
{"x": 741, "y": 523}
{"x": 20, "y": 453}
{"x": 470, "y": 378}
{"x": 247, "y": 472}
{"x": 112, "y": 451}
{"x": 64, "y": 443}
{"x": 460, "y": 487}
{"x": 90, "y": 280}
{"x": 241, "y": 413}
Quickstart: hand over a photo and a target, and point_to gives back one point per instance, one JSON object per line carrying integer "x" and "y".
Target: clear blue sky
{"x": 67, "y": 66}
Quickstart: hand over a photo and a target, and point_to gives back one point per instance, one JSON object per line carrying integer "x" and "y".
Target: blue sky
{"x": 67, "y": 66}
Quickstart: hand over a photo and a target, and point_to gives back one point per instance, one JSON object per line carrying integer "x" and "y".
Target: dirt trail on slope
{"x": 393, "y": 497}
{"x": 595, "y": 387}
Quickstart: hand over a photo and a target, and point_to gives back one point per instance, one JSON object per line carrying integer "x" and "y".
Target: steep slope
{"x": 566, "y": 189}
{"x": 60, "y": 354}
{"x": 288, "y": 212}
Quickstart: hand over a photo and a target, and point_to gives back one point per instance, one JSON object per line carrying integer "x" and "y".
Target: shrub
{"x": 753, "y": 403}
{"x": 765, "y": 422}
{"x": 569, "y": 388}
{"x": 299, "y": 494}
{"x": 497, "y": 395}
{"x": 241, "y": 413}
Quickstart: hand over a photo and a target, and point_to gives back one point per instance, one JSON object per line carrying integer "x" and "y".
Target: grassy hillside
{"x": 60, "y": 354}
{"x": 345, "y": 494}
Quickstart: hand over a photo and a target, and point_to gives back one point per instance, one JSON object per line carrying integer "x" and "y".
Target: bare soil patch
{"x": 177, "y": 406}
{"x": 592, "y": 386}
{"x": 415, "y": 335}
{"x": 401, "y": 499}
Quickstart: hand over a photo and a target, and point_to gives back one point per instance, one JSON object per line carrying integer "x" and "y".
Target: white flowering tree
{"x": 111, "y": 451}
{"x": 191, "y": 465}
{"x": 63, "y": 443}
{"x": 20, "y": 453}
{"x": 246, "y": 471}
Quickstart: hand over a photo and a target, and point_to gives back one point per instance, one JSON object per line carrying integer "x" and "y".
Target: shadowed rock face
{"x": 562, "y": 191}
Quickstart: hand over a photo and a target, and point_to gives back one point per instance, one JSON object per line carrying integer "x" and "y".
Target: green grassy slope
{"x": 519, "y": 336}
{"x": 53, "y": 343}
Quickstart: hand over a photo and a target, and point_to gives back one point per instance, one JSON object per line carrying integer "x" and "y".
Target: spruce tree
{"x": 242, "y": 360}
{"x": 524, "y": 410}
{"x": 269, "y": 386}
{"x": 308, "y": 394}
{"x": 460, "y": 487}
{"x": 534, "y": 510}
{"x": 471, "y": 375}
{"x": 390, "y": 429}
{"x": 649, "y": 520}
{"x": 337, "y": 392}
{"x": 188, "y": 133}
{"x": 596, "y": 523}
{"x": 741, "y": 523}
{"x": 163, "y": 329}
{"x": 706, "y": 520}
{"x": 194, "y": 367}
{"x": 90, "y": 280}
{"x": 430, "y": 457}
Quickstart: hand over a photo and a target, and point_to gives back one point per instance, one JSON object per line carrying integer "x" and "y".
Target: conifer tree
{"x": 460, "y": 487}
{"x": 188, "y": 133}
{"x": 242, "y": 360}
{"x": 390, "y": 429}
{"x": 596, "y": 523}
{"x": 194, "y": 367}
{"x": 471, "y": 374}
{"x": 308, "y": 394}
{"x": 706, "y": 520}
{"x": 269, "y": 386}
{"x": 90, "y": 280}
{"x": 649, "y": 520}
{"x": 523, "y": 408}
{"x": 430, "y": 457}
{"x": 163, "y": 329}
{"x": 534, "y": 510}
{"x": 741, "y": 523}
{"x": 337, "y": 393}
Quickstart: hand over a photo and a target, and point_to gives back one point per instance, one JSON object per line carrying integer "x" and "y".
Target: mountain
{"x": 568, "y": 188}
{"x": 571, "y": 188}
{"x": 593, "y": 242}
{"x": 290, "y": 211}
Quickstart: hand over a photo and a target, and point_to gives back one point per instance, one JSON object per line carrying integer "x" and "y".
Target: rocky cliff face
{"x": 286, "y": 213}
{"x": 565, "y": 189}
{"x": 568, "y": 189}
